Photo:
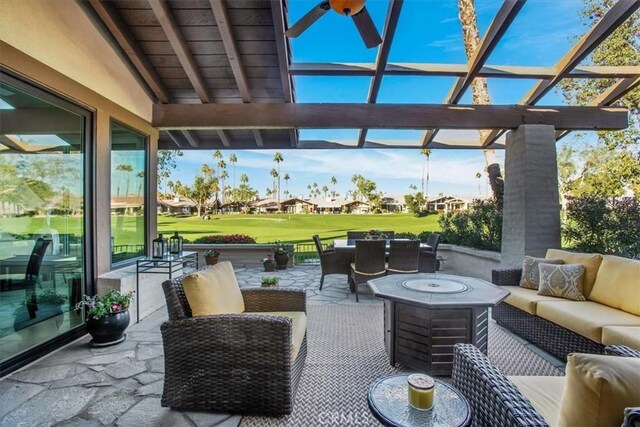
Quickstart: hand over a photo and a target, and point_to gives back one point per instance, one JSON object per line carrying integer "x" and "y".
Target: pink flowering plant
{"x": 225, "y": 238}
{"x": 99, "y": 306}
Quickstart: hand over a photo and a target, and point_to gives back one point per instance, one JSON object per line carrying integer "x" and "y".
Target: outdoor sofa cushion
{"x": 564, "y": 281}
{"x": 544, "y": 393}
{"x": 526, "y": 299}
{"x": 586, "y": 318}
{"x": 591, "y": 263}
{"x": 213, "y": 290}
{"x": 597, "y": 390}
{"x": 531, "y": 273}
{"x": 299, "y": 327}
{"x": 618, "y": 284}
{"x": 621, "y": 335}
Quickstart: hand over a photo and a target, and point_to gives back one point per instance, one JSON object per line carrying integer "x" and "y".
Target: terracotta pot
{"x": 109, "y": 329}
{"x": 211, "y": 260}
{"x": 281, "y": 261}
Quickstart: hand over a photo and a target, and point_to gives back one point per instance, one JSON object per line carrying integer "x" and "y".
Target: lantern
{"x": 159, "y": 247}
{"x": 175, "y": 244}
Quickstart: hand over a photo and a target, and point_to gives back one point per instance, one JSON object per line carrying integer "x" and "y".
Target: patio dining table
{"x": 350, "y": 244}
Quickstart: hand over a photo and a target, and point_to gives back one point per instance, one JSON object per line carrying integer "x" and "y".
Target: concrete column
{"x": 103, "y": 193}
{"x": 531, "y": 214}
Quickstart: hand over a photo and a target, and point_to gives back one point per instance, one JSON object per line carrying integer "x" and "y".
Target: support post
{"x": 531, "y": 213}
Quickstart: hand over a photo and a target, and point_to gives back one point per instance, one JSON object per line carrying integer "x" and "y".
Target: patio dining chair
{"x": 332, "y": 262}
{"x": 428, "y": 260}
{"x": 354, "y": 235}
{"x": 369, "y": 262}
{"x": 403, "y": 256}
{"x": 32, "y": 271}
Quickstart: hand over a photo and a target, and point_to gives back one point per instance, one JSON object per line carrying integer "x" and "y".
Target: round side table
{"x": 387, "y": 400}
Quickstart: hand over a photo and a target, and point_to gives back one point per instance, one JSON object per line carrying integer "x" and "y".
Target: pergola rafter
{"x": 497, "y": 29}
{"x": 391, "y": 23}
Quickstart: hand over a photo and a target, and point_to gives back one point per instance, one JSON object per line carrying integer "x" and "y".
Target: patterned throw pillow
{"x": 530, "y": 273}
{"x": 564, "y": 281}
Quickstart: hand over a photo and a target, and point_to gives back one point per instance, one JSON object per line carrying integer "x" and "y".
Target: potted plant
{"x": 107, "y": 317}
{"x": 268, "y": 263}
{"x": 281, "y": 255}
{"x": 269, "y": 281}
{"x": 211, "y": 256}
{"x": 374, "y": 234}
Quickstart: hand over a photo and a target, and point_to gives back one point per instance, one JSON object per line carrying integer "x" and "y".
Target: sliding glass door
{"x": 43, "y": 207}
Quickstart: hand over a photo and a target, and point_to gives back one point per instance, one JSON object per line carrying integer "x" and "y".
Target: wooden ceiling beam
{"x": 457, "y": 70}
{"x": 284, "y": 57}
{"x": 390, "y": 25}
{"x": 171, "y": 29}
{"x": 130, "y": 47}
{"x": 610, "y": 96}
{"x": 173, "y": 134}
{"x": 383, "y": 116}
{"x": 498, "y": 27}
{"x": 223, "y": 138}
{"x": 600, "y": 31}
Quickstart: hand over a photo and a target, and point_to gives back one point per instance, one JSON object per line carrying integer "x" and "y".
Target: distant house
{"x": 357, "y": 207}
{"x": 327, "y": 205}
{"x": 296, "y": 206}
{"x": 264, "y": 206}
{"x": 393, "y": 204}
{"x": 445, "y": 204}
{"x": 127, "y": 205}
{"x": 177, "y": 205}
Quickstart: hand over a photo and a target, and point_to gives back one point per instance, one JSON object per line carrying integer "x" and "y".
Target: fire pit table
{"x": 425, "y": 314}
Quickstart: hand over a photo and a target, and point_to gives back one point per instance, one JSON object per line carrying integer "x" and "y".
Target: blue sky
{"x": 428, "y": 31}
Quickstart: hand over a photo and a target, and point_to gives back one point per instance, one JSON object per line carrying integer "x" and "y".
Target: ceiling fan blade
{"x": 307, "y": 20}
{"x": 367, "y": 28}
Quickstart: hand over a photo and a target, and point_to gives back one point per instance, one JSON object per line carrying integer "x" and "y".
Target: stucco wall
{"x": 469, "y": 262}
{"x": 59, "y": 34}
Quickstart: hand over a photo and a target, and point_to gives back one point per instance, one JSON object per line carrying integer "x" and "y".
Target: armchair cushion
{"x": 213, "y": 290}
{"x": 530, "y": 272}
{"x": 564, "y": 281}
{"x": 544, "y": 393}
{"x": 618, "y": 284}
{"x": 591, "y": 263}
{"x": 621, "y": 335}
{"x": 598, "y": 388}
{"x": 299, "y": 328}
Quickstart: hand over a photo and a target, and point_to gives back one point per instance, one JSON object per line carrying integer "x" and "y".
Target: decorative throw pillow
{"x": 564, "y": 281}
{"x": 530, "y": 273}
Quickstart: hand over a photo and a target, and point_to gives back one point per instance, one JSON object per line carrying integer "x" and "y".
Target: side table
{"x": 389, "y": 404}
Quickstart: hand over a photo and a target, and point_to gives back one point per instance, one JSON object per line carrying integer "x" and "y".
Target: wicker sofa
{"x": 609, "y": 316}
{"x": 246, "y": 363}
{"x": 497, "y": 400}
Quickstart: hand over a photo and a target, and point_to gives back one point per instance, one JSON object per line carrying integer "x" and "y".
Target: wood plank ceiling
{"x": 235, "y": 51}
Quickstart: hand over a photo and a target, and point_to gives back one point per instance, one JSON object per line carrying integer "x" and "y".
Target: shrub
{"x": 225, "y": 238}
{"x": 406, "y": 235}
{"x": 479, "y": 227}
{"x": 608, "y": 226}
{"x": 99, "y": 306}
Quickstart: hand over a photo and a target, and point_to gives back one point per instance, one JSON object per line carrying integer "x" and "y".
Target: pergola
{"x": 221, "y": 76}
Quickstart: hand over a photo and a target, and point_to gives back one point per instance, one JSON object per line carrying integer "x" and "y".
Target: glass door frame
{"x": 88, "y": 250}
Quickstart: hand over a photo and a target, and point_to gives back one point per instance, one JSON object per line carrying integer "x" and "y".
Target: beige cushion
{"x": 544, "y": 393}
{"x": 526, "y": 299}
{"x": 299, "y": 327}
{"x": 591, "y": 263}
{"x": 530, "y": 272}
{"x": 564, "y": 281}
{"x": 597, "y": 389}
{"x": 618, "y": 284}
{"x": 213, "y": 290}
{"x": 585, "y": 317}
{"x": 621, "y": 335}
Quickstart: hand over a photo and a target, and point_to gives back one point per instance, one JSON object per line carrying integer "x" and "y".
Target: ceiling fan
{"x": 353, "y": 8}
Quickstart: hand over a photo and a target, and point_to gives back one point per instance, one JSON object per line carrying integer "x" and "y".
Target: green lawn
{"x": 294, "y": 228}
{"x": 263, "y": 228}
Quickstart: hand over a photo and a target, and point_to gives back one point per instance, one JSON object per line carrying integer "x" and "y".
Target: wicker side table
{"x": 388, "y": 402}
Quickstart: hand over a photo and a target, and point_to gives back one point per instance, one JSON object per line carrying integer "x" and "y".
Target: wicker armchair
{"x": 428, "y": 259}
{"x": 355, "y": 235}
{"x": 403, "y": 256}
{"x": 238, "y": 363}
{"x": 332, "y": 262}
{"x": 369, "y": 262}
{"x": 494, "y": 399}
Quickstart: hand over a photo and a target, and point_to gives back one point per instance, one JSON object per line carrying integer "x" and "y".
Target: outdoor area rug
{"x": 346, "y": 354}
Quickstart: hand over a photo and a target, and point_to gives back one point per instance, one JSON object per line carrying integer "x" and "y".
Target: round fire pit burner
{"x": 434, "y": 285}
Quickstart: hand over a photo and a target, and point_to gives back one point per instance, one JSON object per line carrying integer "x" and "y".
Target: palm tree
{"x": 286, "y": 181}
{"x": 471, "y": 37}
{"x": 141, "y": 176}
{"x": 233, "y": 160}
{"x": 425, "y": 188}
{"x": 223, "y": 176}
{"x": 124, "y": 168}
{"x": 274, "y": 174}
{"x": 478, "y": 176}
{"x": 325, "y": 190}
{"x": 334, "y": 182}
{"x": 277, "y": 157}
